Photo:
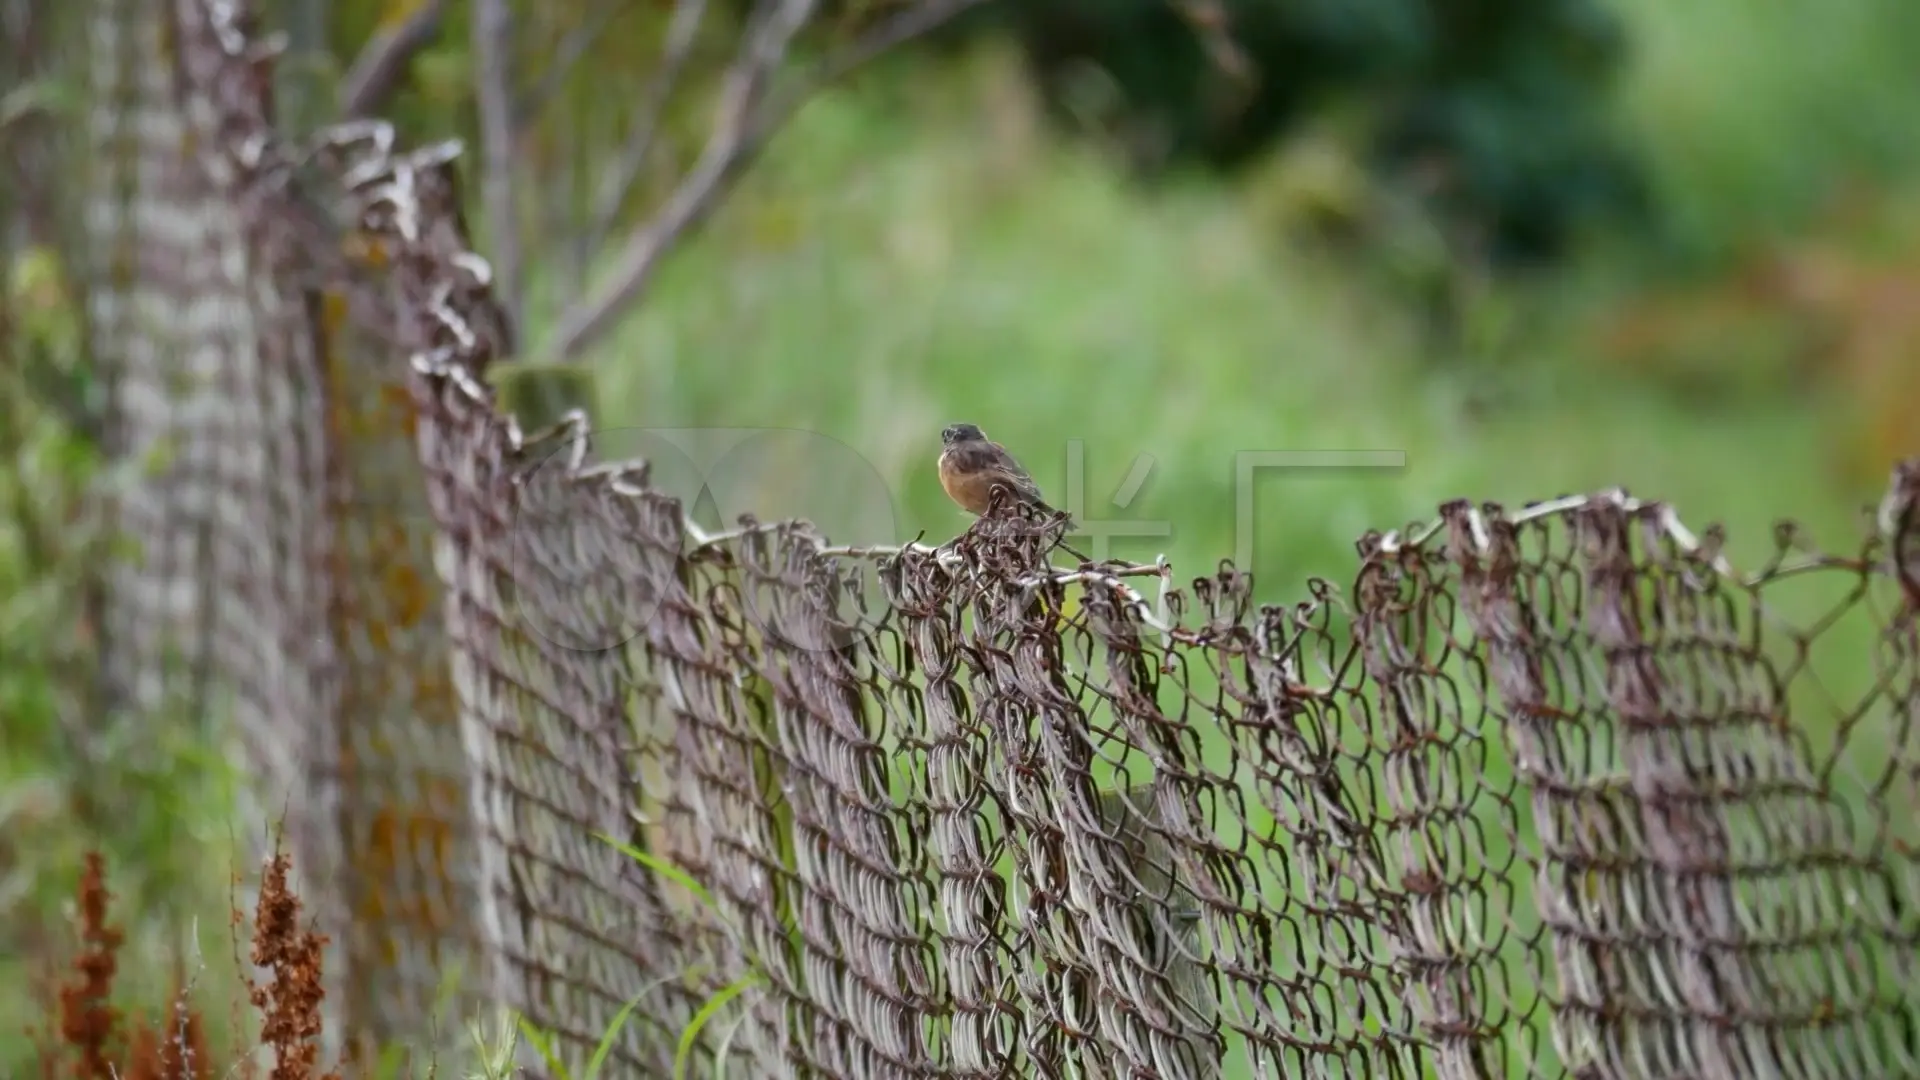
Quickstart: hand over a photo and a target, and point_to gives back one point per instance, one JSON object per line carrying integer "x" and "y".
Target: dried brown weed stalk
{"x": 87, "y": 1041}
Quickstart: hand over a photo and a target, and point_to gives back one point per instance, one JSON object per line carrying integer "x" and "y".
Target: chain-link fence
{"x": 1545, "y": 793}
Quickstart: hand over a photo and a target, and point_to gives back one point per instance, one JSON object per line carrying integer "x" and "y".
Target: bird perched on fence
{"x": 973, "y": 467}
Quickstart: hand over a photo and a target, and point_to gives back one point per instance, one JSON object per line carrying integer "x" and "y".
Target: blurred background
{"x": 1539, "y": 246}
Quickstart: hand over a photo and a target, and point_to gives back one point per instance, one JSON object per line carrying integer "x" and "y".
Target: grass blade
{"x": 539, "y": 1040}
{"x": 726, "y": 1044}
{"x": 663, "y": 868}
{"x": 714, "y": 1004}
{"x": 619, "y": 1021}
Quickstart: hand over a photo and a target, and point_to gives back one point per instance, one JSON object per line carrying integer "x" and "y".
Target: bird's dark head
{"x": 955, "y": 433}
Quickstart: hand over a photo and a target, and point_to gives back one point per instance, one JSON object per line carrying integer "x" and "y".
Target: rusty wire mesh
{"x": 1554, "y": 792}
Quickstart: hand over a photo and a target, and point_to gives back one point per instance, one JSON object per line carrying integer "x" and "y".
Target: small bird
{"x": 973, "y": 466}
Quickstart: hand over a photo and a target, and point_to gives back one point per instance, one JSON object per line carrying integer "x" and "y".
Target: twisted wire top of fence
{"x": 1542, "y": 793}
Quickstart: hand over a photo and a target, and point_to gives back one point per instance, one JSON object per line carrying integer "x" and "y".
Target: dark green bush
{"x": 1507, "y": 97}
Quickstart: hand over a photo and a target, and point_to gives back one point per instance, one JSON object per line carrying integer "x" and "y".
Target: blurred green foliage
{"x": 961, "y": 269}
{"x": 1746, "y": 124}
{"x": 1539, "y": 127}
{"x": 74, "y": 778}
{"x": 1495, "y": 109}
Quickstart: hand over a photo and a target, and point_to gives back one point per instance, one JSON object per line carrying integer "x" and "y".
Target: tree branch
{"x": 493, "y": 95}
{"x": 566, "y": 56}
{"x": 377, "y": 71}
{"x": 747, "y": 118}
{"x": 1210, "y": 24}
{"x": 619, "y": 180}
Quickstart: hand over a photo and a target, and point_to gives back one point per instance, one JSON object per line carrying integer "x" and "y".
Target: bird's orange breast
{"x": 973, "y": 490}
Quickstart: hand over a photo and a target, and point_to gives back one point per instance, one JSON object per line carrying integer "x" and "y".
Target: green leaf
{"x": 388, "y": 1064}
{"x": 714, "y": 1004}
{"x": 540, "y": 1043}
{"x": 495, "y": 1057}
{"x": 664, "y": 869}
{"x": 726, "y": 1044}
{"x": 601, "y": 1051}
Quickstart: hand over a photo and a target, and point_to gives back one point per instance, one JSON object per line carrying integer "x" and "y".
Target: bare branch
{"x": 1210, "y": 24}
{"x": 747, "y": 118}
{"x": 376, "y": 72}
{"x": 920, "y": 19}
{"x": 615, "y": 186}
{"x": 493, "y": 81}
{"x": 566, "y": 56}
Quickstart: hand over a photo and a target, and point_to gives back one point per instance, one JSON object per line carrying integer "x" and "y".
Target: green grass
{"x": 1746, "y": 126}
